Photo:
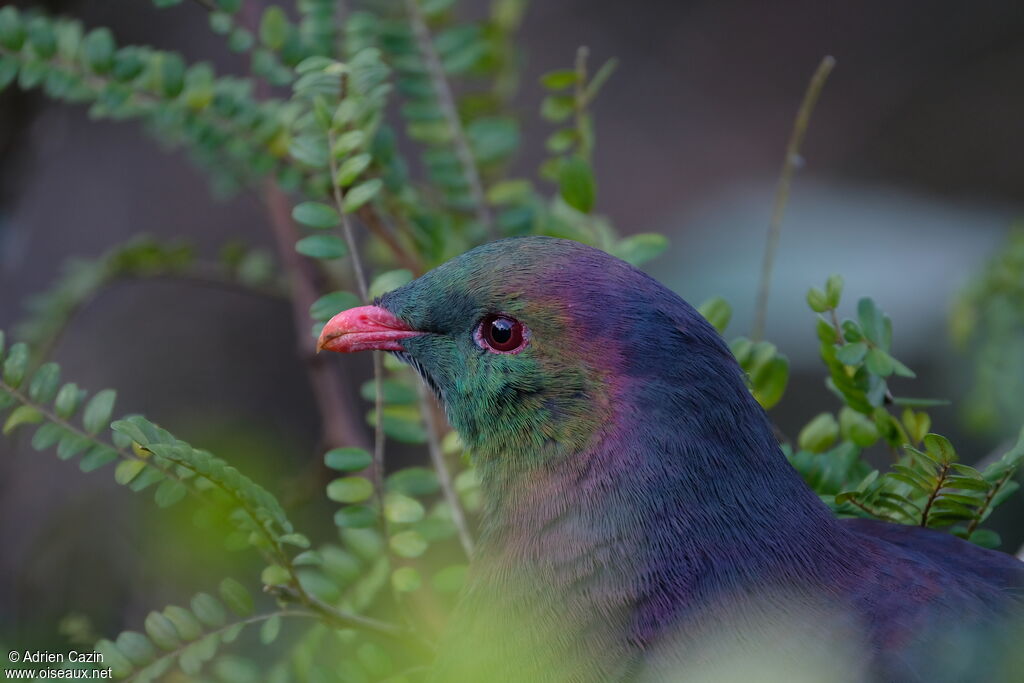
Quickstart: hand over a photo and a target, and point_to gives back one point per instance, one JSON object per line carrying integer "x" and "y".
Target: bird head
{"x": 530, "y": 342}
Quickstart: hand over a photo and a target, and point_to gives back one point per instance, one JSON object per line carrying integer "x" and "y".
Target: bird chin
{"x": 421, "y": 371}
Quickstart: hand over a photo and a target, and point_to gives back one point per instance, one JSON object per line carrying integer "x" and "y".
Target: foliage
{"x": 924, "y": 484}
{"x": 987, "y": 323}
{"x": 326, "y": 114}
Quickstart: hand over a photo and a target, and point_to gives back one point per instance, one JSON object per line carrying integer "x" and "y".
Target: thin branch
{"x": 185, "y": 644}
{"x": 446, "y": 100}
{"x": 443, "y": 474}
{"x": 789, "y": 165}
{"x": 332, "y": 396}
{"x": 377, "y": 467}
{"x": 207, "y": 4}
{"x": 277, "y": 554}
{"x": 580, "y": 100}
{"x": 943, "y": 473}
{"x": 992, "y": 492}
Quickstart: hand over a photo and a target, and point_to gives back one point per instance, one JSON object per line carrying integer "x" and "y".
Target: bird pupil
{"x": 501, "y": 330}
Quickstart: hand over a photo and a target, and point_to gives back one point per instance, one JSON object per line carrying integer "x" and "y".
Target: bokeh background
{"x": 913, "y": 175}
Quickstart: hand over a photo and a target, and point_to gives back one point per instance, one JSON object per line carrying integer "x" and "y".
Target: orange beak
{"x": 364, "y": 328}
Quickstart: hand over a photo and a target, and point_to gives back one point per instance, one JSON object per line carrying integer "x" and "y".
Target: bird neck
{"x": 682, "y": 497}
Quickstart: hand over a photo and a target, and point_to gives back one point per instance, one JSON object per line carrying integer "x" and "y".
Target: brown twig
{"x": 332, "y": 396}
{"x": 443, "y": 474}
{"x": 943, "y": 473}
{"x": 789, "y": 165}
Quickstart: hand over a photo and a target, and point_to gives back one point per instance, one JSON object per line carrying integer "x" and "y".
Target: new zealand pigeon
{"x": 641, "y": 521}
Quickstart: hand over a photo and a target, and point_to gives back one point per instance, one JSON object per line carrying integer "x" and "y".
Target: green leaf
{"x": 20, "y": 416}
{"x": 97, "y": 457}
{"x": 67, "y": 400}
{"x": 16, "y": 365}
{"x": 169, "y": 492}
{"x": 162, "y": 631}
{"x": 185, "y": 623}
{"x": 316, "y": 215}
{"x": 324, "y": 247}
{"x": 98, "y": 49}
{"x": 351, "y": 169}
{"x": 414, "y": 481}
{"x": 348, "y": 459}
{"x": 98, "y": 410}
{"x": 114, "y": 658}
{"x": 136, "y": 647}
{"x": 770, "y": 381}
{"x": 716, "y": 311}
{"x": 878, "y": 362}
{"x": 576, "y": 184}
{"x": 350, "y": 490}
{"x": 275, "y": 575}
{"x": 493, "y": 138}
{"x": 43, "y": 386}
{"x": 355, "y": 517}
{"x": 329, "y": 305}
{"x": 347, "y": 143}
{"x": 208, "y": 609}
{"x": 72, "y": 444}
{"x": 641, "y": 248}
{"x": 236, "y": 597}
{"x": 408, "y": 544}
{"x": 46, "y": 436}
{"x": 406, "y": 579}
{"x": 127, "y": 470}
{"x": 402, "y": 509}
{"x": 310, "y": 150}
{"x": 817, "y": 300}
{"x": 986, "y": 538}
{"x": 388, "y": 281}
{"x": 940, "y": 447}
{"x": 872, "y": 321}
{"x": 833, "y": 290}
{"x": 557, "y": 108}
{"x": 401, "y": 423}
{"x": 394, "y": 391}
{"x": 270, "y": 629}
{"x": 12, "y": 30}
{"x": 559, "y": 80}
{"x": 361, "y": 193}
{"x": 852, "y": 354}
{"x": 273, "y": 27}
{"x": 819, "y": 434}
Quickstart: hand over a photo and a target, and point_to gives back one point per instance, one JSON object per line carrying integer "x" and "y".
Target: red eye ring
{"x": 500, "y": 333}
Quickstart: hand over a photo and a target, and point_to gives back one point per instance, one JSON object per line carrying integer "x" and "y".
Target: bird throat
{"x": 595, "y": 556}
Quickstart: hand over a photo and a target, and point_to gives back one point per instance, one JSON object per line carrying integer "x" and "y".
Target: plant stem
{"x": 446, "y": 100}
{"x": 992, "y": 492}
{"x": 332, "y": 396}
{"x": 789, "y": 165}
{"x": 580, "y": 101}
{"x": 943, "y": 473}
{"x": 377, "y": 467}
{"x": 443, "y": 474}
{"x": 217, "y": 631}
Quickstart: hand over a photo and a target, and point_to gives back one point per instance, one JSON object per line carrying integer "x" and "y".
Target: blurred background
{"x": 912, "y": 178}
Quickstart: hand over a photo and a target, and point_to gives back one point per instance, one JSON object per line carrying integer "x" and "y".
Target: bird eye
{"x": 501, "y": 334}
